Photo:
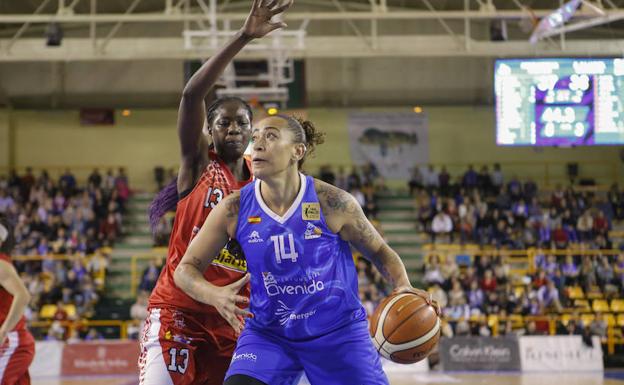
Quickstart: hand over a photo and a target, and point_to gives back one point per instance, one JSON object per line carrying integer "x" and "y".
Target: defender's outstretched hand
{"x": 258, "y": 23}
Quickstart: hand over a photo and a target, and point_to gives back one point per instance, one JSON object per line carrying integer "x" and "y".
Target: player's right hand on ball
{"x": 226, "y": 300}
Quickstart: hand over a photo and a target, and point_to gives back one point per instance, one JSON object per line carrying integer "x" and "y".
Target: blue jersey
{"x": 303, "y": 279}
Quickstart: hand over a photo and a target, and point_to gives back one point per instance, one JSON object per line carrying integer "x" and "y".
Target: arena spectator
{"x": 598, "y": 327}
{"x": 416, "y": 181}
{"x": 150, "y": 275}
{"x": 441, "y": 227}
{"x": 431, "y": 177}
{"x": 138, "y": 313}
{"x": 548, "y": 297}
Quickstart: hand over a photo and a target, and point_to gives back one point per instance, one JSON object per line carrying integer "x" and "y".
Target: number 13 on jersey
{"x": 280, "y": 250}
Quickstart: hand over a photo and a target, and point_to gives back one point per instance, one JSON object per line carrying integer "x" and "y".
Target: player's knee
{"x": 241, "y": 379}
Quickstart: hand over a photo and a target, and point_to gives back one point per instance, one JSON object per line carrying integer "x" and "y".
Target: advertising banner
{"x": 479, "y": 353}
{"x": 47, "y": 362}
{"x": 560, "y": 353}
{"x": 104, "y": 358}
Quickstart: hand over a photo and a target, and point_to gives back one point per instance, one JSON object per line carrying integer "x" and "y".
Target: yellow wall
{"x": 467, "y": 134}
{"x": 461, "y": 135}
{"x": 138, "y": 142}
{"x": 148, "y": 138}
{"x": 4, "y": 139}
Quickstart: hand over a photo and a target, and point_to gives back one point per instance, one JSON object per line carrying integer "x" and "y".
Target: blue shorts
{"x": 345, "y": 356}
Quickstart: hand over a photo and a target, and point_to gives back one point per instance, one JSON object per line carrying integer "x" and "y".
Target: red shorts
{"x": 15, "y": 358}
{"x": 179, "y": 348}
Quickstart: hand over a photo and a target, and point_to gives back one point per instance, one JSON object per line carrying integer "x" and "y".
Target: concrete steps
{"x": 138, "y": 241}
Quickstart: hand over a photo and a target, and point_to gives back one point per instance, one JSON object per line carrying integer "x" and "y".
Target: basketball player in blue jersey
{"x": 305, "y": 314}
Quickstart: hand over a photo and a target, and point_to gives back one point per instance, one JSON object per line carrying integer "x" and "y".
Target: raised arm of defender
{"x": 189, "y": 275}
{"x": 191, "y": 114}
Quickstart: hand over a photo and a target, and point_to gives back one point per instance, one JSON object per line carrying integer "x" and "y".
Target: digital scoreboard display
{"x": 559, "y": 102}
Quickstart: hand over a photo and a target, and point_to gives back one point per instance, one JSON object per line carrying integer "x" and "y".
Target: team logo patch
{"x": 254, "y": 237}
{"x": 311, "y": 211}
{"x": 254, "y": 219}
{"x": 312, "y": 232}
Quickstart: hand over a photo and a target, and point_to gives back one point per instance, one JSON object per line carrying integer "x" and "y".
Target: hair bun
{"x": 312, "y": 137}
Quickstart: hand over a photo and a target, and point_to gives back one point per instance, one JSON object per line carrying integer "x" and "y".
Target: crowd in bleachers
{"x": 484, "y": 208}
{"x": 364, "y": 183}
{"x": 62, "y": 232}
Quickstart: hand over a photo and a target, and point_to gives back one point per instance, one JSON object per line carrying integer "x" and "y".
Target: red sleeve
{"x": 4, "y": 257}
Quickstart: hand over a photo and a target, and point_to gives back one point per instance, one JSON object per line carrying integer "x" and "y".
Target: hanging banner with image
{"x": 393, "y": 141}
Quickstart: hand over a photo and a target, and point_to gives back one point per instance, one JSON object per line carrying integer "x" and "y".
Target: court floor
{"x": 405, "y": 379}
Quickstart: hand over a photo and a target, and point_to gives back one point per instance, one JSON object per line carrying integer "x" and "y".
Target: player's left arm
{"x": 12, "y": 283}
{"x": 345, "y": 217}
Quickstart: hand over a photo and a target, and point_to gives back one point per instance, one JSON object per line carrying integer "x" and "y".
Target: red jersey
{"x": 213, "y": 185}
{"x": 6, "y": 299}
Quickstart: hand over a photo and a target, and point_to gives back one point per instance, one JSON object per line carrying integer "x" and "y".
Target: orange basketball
{"x": 405, "y": 328}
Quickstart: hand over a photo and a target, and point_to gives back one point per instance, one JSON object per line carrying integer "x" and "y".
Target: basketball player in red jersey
{"x": 17, "y": 345}
{"x": 185, "y": 341}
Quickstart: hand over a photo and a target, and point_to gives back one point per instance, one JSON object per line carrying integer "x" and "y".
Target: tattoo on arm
{"x": 369, "y": 242}
{"x": 197, "y": 262}
{"x": 357, "y": 230}
{"x": 233, "y": 207}
{"x": 335, "y": 199}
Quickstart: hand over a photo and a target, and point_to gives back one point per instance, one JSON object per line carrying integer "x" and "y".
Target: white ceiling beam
{"x": 117, "y": 26}
{"x": 351, "y": 15}
{"x": 25, "y": 26}
{"x": 126, "y": 49}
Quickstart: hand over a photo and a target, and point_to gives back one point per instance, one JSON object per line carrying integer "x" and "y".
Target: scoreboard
{"x": 559, "y": 102}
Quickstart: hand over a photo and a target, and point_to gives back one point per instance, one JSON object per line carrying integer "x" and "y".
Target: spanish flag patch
{"x": 254, "y": 219}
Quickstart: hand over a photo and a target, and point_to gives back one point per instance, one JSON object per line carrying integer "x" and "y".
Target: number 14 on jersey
{"x": 280, "y": 251}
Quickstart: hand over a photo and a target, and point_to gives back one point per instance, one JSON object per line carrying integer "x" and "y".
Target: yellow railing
{"x": 614, "y": 333}
{"x": 122, "y": 325}
{"x": 60, "y": 257}
{"x": 99, "y": 274}
{"x": 521, "y": 261}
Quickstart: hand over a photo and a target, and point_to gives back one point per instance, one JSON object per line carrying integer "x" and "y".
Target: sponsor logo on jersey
{"x": 178, "y": 320}
{"x": 291, "y": 287}
{"x": 311, "y": 211}
{"x": 177, "y": 338}
{"x": 230, "y": 261}
{"x": 244, "y": 356}
{"x": 286, "y": 314}
{"x": 254, "y": 237}
{"x": 254, "y": 219}
{"x": 312, "y": 232}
